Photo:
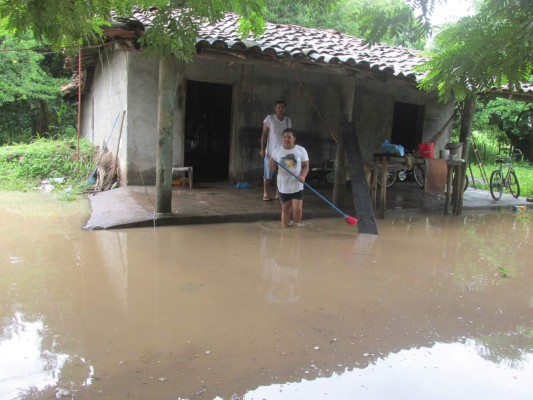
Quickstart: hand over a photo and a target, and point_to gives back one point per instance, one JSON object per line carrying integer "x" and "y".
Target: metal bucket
{"x": 455, "y": 148}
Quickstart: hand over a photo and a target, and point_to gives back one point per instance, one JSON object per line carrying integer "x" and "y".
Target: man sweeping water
{"x": 294, "y": 163}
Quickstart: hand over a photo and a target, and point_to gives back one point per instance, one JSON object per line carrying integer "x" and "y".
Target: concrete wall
{"x": 143, "y": 88}
{"x": 103, "y": 107}
{"x": 313, "y": 99}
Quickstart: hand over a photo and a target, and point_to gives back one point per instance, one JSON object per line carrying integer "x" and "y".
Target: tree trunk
{"x": 466, "y": 124}
{"x": 464, "y": 137}
{"x": 360, "y": 191}
{"x": 167, "y": 96}
{"x": 41, "y": 119}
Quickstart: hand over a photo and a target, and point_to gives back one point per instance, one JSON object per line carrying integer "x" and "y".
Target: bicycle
{"x": 501, "y": 179}
{"x": 411, "y": 169}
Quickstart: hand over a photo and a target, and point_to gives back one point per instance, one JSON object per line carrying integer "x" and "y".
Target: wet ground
{"x": 134, "y": 206}
{"x": 433, "y": 307}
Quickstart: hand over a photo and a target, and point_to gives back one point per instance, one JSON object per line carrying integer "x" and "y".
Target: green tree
{"x": 490, "y": 49}
{"x": 171, "y": 35}
{"x": 28, "y": 90}
{"x": 353, "y": 17}
{"x": 510, "y": 122}
{"x": 69, "y": 24}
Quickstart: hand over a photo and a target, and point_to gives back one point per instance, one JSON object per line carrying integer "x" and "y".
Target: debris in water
{"x": 62, "y": 392}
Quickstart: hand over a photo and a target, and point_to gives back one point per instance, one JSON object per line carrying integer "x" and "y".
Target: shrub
{"x": 25, "y": 166}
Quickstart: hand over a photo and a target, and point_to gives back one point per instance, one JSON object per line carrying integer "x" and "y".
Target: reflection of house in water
{"x": 279, "y": 258}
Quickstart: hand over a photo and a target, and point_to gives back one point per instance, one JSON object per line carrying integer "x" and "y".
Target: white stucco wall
{"x": 103, "y": 107}
{"x": 143, "y": 88}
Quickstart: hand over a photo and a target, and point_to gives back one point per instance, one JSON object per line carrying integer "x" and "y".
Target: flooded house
{"x": 231, "y": 84}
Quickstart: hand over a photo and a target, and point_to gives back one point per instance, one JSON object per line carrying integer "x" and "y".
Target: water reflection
{"x": 30, "y": 363}
{"x": 280, "y": 254}
{"x": 253, "y": 311}
{"x": 443, "y": 371}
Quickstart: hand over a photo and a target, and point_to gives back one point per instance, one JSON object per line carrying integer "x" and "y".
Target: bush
{"x": 25, "y": 166}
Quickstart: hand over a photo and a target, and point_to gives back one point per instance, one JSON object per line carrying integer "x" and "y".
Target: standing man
{"x": 290, "y": 185}
{"x": 272, "y": 138}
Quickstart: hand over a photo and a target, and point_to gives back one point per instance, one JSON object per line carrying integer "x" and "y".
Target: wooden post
{"x": 360, "y": 190}
{"x": 383, "y": 192}
{"x": 167, "y": 97}
{"x": 464, "y": 138}
{"x": 341, "y": 165}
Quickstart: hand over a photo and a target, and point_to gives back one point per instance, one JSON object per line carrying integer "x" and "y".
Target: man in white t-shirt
{"x": 271, "y": 138}
{"x": 293, "y": 158}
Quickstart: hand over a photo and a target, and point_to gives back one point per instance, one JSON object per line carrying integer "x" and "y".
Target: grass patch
{"x": 523, "y": 170}
{"x": 25, "y": 167}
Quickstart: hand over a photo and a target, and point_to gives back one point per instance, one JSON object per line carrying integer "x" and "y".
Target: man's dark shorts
{"x": 284, "y": 197}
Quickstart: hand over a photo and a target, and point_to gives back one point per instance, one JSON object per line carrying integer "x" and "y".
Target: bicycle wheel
{"x": 418, "y": 173}
{"x": 514, "y": 186}
{"x": 496, "y": 184}
{"x": 391, "y": 178}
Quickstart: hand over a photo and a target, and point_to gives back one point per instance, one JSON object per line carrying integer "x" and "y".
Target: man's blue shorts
{"x": 267, "y": 172}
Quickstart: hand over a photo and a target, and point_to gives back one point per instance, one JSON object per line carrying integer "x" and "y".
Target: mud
{"x": 433, "y": 307}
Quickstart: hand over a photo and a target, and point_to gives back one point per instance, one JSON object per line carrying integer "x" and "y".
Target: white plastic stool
{"x": 182, "y": 170}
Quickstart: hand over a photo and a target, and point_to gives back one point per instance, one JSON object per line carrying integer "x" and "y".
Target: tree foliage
{"x": 74, "y": 23}
{"x": 21, "y": 75}
{"x": 510, "y": 122}
{"x": 382, "y": 22}
{"x": 30, "y": 79}
{"x": 490, "y": 49}
{"x": 353, "y": 17}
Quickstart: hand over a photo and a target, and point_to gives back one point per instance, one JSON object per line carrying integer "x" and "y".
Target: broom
{"x": 349, "y": 220}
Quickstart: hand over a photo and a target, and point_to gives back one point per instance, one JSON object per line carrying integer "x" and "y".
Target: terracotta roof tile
{"x": 313, "y": 45}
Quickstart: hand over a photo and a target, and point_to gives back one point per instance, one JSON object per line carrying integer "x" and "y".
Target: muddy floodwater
{"x": 434, "y": 307}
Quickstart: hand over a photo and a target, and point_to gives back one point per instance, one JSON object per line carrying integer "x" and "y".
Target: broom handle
{"x": 312, "y": 189}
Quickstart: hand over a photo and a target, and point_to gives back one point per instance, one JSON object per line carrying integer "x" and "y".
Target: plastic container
{"x": 427, "y": 150}
{"x": 456, "y": 149}
{"x": 444, "y": 154}
{"x": 243, "y": 185}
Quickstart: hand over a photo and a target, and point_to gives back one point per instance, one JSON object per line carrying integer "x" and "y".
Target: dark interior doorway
{"x": 207, "y": 130}
{"x": 407, "y": 125}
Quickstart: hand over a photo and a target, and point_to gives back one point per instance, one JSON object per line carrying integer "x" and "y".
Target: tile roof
{"x": 305, "y": 45}
{"x": 525, "y": 93}
{"x": 315, "y": 46}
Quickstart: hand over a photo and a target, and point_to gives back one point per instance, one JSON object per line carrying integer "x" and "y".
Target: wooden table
{"x": 384, "y": 163}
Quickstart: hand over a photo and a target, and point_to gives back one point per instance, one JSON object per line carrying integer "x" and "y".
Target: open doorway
{"x": 407, "y": 125}
{"x": 207, "y": 130}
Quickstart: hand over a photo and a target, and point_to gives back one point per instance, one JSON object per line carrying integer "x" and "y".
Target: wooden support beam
{"x": 360, "y": 191}
{"x": 341, "y": 165}
{"x": 464, "y": 138}
{"x": 167, "y": 96}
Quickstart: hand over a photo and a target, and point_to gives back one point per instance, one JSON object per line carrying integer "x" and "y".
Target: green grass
{"x": 523, "y": 170}
{"x": 488, "y": 150}
{"x": 24, "y": 167}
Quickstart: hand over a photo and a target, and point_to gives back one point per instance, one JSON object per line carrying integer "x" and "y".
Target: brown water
{"x": 434, "y": 307}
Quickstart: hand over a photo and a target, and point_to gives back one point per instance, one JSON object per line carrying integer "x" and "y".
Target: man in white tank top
{"x": 272, "y": 138}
